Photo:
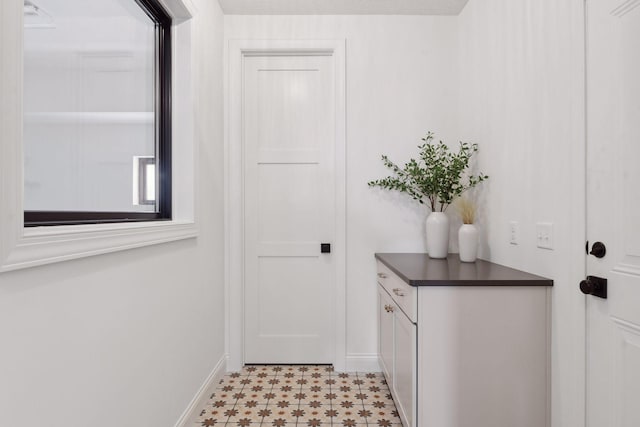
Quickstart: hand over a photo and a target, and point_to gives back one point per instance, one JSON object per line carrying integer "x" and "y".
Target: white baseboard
{"x": 362, "y": 362}
{"x": 189, "y": 415}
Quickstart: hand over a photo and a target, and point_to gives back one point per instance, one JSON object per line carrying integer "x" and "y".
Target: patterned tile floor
{"x": 295, "y": 395}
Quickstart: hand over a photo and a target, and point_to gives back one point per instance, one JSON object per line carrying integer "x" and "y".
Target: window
{"x": 97, "y": 94}
{"x": 26, "y": 247}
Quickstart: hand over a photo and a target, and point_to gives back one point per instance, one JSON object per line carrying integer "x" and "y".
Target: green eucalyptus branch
{"x": 439, "y": 176}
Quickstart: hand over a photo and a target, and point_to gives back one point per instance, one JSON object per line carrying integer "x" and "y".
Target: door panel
{"x": 289, "y": 188}
{"x": 385, "y": 334}
{"x": 286, "y": 87}
{"x": 613, "y": 209}
{"x": 405, "y": 375}
{"x": 627, "y": 373}
{"x": 283, "y": 217}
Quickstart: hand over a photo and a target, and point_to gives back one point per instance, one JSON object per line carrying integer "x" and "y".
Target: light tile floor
{"x": 299, "y": 395}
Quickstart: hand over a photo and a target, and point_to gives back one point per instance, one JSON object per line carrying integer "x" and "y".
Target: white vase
{"x": 437, "y": 235}
{"x": 468, "y": 242}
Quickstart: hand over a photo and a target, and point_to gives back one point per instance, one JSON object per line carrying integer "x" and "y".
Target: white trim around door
{"x": 238, "y": 50}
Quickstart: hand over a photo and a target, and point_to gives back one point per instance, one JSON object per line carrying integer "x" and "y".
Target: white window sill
{"x": 45, "y": 245}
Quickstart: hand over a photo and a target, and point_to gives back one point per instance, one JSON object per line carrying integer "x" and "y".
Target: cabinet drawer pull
{"x": 398, "y": 292}
{"x": 382, "y": 275}
{"x": 388, "y": 308}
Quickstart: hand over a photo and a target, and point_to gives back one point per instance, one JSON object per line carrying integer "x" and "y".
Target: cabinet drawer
{"x": 404, "y": 295}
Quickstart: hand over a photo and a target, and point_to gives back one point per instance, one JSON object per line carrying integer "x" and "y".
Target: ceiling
{"x": 342, "y": 7}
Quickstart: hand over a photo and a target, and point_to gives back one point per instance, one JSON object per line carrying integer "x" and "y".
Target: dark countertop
{"x": 418, "y": 269}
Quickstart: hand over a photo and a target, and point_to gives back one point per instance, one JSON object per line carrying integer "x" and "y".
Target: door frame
{"x": 238, "y": 50}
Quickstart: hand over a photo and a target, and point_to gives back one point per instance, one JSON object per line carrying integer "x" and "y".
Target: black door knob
{"x": 596, "y": 286}
{"x": 598, "y": 250}
{"x": 587, "y": 287}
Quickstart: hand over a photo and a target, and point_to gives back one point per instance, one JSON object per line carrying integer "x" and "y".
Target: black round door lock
{"x": 587, "y": 287}
{"x": 595, "y": 286}
{"x": 598, "y": 250}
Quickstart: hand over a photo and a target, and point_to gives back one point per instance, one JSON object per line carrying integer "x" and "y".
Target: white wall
{"x": 401, "y": 74}
{"x": 522, "y": 99}
{"x": 126, "y": 339}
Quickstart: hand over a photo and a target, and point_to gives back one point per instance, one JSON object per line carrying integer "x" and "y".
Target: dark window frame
{"x": 162, "y": 21}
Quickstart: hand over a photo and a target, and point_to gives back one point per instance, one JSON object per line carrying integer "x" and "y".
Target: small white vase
{"x": 468, "y": 242}
{"x": 437, "y": 235}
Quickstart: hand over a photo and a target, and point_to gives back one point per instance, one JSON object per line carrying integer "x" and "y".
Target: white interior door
{"x": 289, "y": 204}
{"x": 613, "y": 211}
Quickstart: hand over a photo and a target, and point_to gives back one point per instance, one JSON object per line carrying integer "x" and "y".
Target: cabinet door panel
{"x": 385, "y": 334}
{"x": 405, "y": 373}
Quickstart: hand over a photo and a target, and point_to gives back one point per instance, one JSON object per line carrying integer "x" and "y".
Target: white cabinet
{"x": 397, "y": 338}
{"x": 465, "y": 354}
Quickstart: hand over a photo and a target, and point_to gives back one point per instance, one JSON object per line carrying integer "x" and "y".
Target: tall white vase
{"x": 468, "y": 242}
{"x": 437, "y": 235}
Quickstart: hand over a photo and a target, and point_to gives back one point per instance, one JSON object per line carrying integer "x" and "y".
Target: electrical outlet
{"x": 544, "y": 235}
{"x": 514, "y": 233}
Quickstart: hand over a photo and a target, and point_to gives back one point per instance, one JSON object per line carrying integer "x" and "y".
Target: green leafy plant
{"x": 438, "y": 177}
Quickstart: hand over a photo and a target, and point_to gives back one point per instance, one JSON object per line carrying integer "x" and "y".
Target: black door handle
{"x": 325, "y": 248}
{"x": 596, "y": 286}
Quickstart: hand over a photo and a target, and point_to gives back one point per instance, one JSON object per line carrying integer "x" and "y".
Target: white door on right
{"x": 613, "y": 212}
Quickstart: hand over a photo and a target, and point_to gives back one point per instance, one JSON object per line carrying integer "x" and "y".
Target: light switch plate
{"x": 514, "y": 233}
{"x": 544, "y": 235}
